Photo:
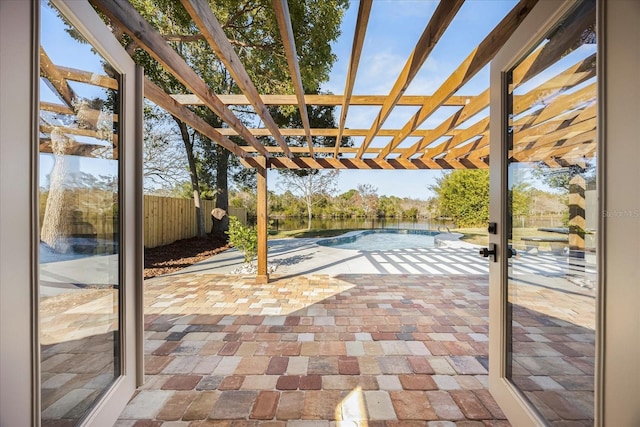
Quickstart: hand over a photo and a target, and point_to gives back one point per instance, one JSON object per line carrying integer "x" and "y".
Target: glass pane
{"x": 79, "y": 223}
{"x": 553, "y": 221}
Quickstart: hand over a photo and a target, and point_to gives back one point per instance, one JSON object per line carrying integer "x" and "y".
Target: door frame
{"x": 84, "y": 18}
{"x": 19, "y": 223}
{"x": 538, "y": 23}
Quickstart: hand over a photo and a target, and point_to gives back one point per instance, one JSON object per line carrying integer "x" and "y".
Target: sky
{"x": 394, "y": 28}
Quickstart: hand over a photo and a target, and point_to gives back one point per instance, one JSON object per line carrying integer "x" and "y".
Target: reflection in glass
{"x": 553, "y": 212}
{"x": 79, "y": 221}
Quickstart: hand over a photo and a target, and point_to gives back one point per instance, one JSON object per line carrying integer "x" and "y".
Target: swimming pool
{"x": 382, "y": 239}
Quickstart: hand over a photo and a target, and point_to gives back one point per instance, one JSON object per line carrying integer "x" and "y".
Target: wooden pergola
{"x": 544, "y": 136}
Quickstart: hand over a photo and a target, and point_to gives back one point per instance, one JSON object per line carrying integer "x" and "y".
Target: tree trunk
{"x": 57, "y": 221}
{"x": 309, "y": 212}
{"x": 219, "y": 227}
{"x": 188, "y": 145}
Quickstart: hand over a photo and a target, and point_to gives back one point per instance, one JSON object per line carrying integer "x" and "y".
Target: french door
{"x": 89, "y": 264}
{"x": 544, "y": 201}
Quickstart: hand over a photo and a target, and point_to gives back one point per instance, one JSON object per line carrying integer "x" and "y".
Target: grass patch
{"x": 476, "y": 235}
{"x": 310, "y": 233}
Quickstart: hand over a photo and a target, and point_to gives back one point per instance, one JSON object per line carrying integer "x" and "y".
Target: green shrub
{"x": 243, "y": 238}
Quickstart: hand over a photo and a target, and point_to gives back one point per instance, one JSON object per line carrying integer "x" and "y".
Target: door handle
{"x": 491, "y": 251}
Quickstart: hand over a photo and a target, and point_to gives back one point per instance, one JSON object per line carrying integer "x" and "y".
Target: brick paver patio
{"x": 330, "y": 349}
{"x": 314, "y": 350}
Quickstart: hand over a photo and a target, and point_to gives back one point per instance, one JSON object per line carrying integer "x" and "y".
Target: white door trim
{"x": 541, "y": 19}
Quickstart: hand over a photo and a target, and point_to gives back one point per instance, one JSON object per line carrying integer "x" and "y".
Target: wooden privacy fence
{"x": 168, "y": 219}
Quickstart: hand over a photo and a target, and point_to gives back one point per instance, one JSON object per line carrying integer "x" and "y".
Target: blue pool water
{"x": 380, "y": 240}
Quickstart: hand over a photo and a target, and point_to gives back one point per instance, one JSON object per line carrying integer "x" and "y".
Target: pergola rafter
{"x": 459, "y": 117}
{"x": 478, "y": 58}
{"x": 440, "y": 20}
{"x": 127, "y": 17}
{"x": 449, "y": 144}
{"x": 202, "y": 15}
{"x": 87, "y": 118}
{"x": 286, "y": 31}
{"x": 436, "y": 27}
{"x": 364, "y": 10}
{"x": 551, "y": 88}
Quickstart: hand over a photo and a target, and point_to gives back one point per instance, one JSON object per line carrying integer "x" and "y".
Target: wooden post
{"x": 262, "y": 275}
{"x": 577, "y": 223}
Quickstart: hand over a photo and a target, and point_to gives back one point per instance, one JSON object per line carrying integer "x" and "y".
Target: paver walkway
{"x": 354, "y": 349}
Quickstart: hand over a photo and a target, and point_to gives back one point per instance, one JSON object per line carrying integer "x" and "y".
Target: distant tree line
{"x": 361, "y": 202}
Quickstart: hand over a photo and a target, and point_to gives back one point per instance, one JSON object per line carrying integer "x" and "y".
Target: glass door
{"x": 547, "y": 274}
{"x": 86, "y": 276}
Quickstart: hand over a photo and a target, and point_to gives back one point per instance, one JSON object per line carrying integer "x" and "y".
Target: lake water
{"x": 333, "y": 224}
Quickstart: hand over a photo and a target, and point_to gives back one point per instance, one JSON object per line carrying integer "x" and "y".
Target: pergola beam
{"x": 353, "y": 163}
{"x": 88, "y": 77}
{"x": 440, "y": 20}
{"x": 101, "y": 80}
{"x": 123, "y": 14}
{"x": 56, "y": 108}
{"x": 89, "y": 133}
{"x": 331, "y": 133}
{"x": 213, "y": 33}
{"x": 364, "y": 10}
{"x": 322, "y": 150}
{"x": 281, "y": 8}
{"x": 72, "y": 148}
{"x": 324, "y": 100}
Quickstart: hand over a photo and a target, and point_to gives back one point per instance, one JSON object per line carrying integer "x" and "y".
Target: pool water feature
{"x": 383, "y": 239}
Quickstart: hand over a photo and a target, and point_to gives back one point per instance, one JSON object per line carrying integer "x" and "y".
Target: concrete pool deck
{"x": 292, "y": 257}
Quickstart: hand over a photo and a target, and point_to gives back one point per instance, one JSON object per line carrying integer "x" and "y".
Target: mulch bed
{"x": 181, "y": 254}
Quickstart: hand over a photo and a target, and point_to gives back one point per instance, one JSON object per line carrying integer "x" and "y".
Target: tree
{"x": 345, "y": 204}
{"x": 520, "y": 199}
{"x": 389, "y": 207}
{"x": 311, "y": 185}
{"x": 368, "y": 198}
{"x": 164, "y": 164}
{"x": 559, "y": 178}
{"x": 252, "y": 29}
{"x": 463, "y": 196}
{"x": 245, "y": 199}
{"x": 411, "y": 213}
